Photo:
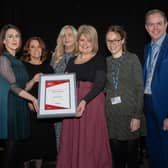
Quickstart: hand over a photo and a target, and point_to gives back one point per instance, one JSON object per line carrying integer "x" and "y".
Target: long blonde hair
{"x": 59, "y": 50}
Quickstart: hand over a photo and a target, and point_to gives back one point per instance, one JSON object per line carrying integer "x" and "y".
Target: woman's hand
{"x": 31, "y": 83}
{"x": 134, "y": 125}
{"x": 31, "y": 107}
{"x": 165, "y": 124}
{"x": 35, "y": 105}
{"x": 81, "y": 107}
{"x": 36, "y": 77}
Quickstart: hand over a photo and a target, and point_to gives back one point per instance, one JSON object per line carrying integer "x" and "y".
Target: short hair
{"x": 153, "y": 11}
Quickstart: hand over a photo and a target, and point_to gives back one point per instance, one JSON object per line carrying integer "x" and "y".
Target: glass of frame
{"x": 57, "y": 96}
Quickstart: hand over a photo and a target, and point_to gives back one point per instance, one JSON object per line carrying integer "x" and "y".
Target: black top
{"x": 33, "y": 69}
{"x": 92, "y": 71}
{"x": 41, "y": 143}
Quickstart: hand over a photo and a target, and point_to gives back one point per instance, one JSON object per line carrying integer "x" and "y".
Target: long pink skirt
{"x": 84, "y": 141}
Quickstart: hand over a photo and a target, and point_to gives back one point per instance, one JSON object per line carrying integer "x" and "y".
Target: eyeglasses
{"x": 114, "y": 42}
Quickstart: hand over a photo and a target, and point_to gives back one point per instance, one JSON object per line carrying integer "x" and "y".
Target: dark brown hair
{"x": 26, "y": 56}
{"x": 120, "y": 30}
{"x": 3, "y": 31}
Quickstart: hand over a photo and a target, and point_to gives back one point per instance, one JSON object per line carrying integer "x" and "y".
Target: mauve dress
{"x": 84, "y": 141}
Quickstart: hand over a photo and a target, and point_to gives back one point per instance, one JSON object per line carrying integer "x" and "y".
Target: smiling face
{"x": 114, "y": 43}
{"x": 12, "y": 40}
{"x": 156, "y": 26}
{"x": 35, "y": 49}
{"x": 85, "y": 44}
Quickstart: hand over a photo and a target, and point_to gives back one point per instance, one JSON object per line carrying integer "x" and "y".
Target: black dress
{"x": 42, "y": 143}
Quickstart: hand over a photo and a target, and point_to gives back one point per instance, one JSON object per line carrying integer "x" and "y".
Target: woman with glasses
{"x": 124, "y": 99}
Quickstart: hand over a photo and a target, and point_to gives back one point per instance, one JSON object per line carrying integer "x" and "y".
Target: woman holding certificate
{"x": 41, "y": 144}
{"x": 14, "y": 83}
{"x": 84, "y": 139}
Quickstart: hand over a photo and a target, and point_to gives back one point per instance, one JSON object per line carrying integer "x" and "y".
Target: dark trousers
{"x": 157, "y": 138}
{"x": 124, "y": 153}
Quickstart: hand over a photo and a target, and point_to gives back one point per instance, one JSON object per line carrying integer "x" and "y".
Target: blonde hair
{"x": 59, "y": 50}
{"x": 90, "y": 32}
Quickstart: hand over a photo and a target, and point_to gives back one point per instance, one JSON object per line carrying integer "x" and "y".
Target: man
{"x": 156, "y": 88}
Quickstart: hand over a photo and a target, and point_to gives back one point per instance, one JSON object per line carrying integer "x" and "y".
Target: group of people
{"x": 117, "y": 98}
{"x": 25, "y": 136}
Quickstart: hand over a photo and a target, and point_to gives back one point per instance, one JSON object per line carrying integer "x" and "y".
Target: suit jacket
{"x": 159, "y": 85}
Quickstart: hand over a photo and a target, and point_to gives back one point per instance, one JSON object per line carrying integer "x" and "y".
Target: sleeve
{"x": 99, "y": 79}
{"x": 7, "y": 72}
{"x": 98, "y": 86}
{"x": 138, "y": 81}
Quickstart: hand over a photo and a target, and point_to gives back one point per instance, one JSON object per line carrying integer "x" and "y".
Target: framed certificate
{"x": 57, "y": 95}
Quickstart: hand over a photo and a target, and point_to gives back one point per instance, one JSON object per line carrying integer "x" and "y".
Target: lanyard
{"x": 115, "y": 73}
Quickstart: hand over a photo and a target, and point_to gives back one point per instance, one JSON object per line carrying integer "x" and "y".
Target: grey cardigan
{"x": 130, "y": 89}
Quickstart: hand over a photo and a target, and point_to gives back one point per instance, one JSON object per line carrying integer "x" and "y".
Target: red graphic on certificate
{"x": 57, "y": 95}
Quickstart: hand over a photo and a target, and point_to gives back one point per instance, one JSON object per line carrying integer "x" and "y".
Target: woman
{"x": 41, "y": 144}
{"x": 84, "y": 139}
{"x": 65, "y": 49}
{"x": 14, "y": 72}
{"x": 124, "y": 99}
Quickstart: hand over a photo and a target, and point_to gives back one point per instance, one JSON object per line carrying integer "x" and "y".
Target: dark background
{"x": 45, "y": 18}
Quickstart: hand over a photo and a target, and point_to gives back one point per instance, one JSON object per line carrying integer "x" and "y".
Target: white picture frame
{"x": 57, "y": 96}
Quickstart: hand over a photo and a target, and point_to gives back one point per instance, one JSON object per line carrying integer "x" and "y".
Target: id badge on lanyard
{"x": 115, "y": 100}
{"x": 115, "y": 76}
